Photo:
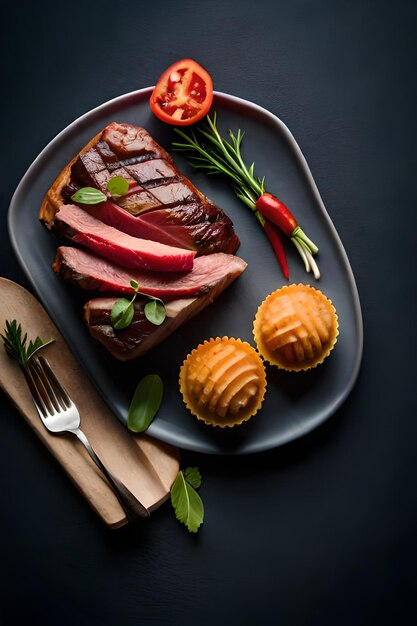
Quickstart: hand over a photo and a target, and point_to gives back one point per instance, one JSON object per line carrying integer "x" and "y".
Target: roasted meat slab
{"x": 161, "y": 203}
{"x": 163, "y": 233}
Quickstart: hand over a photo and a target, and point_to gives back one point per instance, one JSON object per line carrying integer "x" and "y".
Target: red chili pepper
{"x": 274, "y": 238}
{"x": 276, "y": 211}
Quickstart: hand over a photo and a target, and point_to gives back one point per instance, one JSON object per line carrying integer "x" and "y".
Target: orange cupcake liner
{"x": 296, "y": 327}
{"x": 223, "y": 382}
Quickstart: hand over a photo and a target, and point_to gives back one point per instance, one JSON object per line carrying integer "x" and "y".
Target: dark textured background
{"x": 323, "y": 530}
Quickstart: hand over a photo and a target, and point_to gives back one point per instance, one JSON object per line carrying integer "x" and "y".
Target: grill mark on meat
{"x": 139, "y": 158}
{"x": 91, "y": 170}
{"x": 152, "y": 170}
{"x": 86, "y": 167}
{"x": 138, "y": 201}
{"x": 157, "y": 182}
{"x": 189, "y": 213}
{"x": 109, "y": 157}
{"x": 174, "y": 193}
{"x": 113, "y": 161}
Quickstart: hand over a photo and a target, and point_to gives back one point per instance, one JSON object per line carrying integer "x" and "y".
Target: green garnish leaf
{"x": 123, "y": 310}
{"x": 122, "y": 313}
{"x": 89, "y": 195}
{"x": 16, "y": 343}
{"x": 118, "y": 186}
{"x": 145, "y": 403}
{"x": 193, "y": 476}
{"x": 188, "y": 506}
{"x": 155, "y": 312}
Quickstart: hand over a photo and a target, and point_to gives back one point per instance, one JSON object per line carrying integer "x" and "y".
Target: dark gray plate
{"x": 295, "y": 403}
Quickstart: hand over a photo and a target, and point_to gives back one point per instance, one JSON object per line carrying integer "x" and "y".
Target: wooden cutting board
{"x": 147, "y": 467}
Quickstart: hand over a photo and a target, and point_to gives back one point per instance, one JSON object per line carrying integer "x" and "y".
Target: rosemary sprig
{"x": 17, "y": 345}
{"x": 220, "y": 156}
{"x": 211, "y": 153}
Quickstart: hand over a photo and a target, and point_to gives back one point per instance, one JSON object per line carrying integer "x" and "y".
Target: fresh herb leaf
{"x": 122, "y": 313}
{"x": 145, "y": 403}
{"x": 117, "y": 186}
{"x": 89, "y": 195}
{"x": 123, "y": 310}
{"x": 193, "y": 476}
{"x": 188, "y": 505}
{"x": 16, "y": 345}
{"x": 155, "y": 311}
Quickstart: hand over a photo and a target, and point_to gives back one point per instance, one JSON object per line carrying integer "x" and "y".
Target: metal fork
{"x": 59, "y": 414}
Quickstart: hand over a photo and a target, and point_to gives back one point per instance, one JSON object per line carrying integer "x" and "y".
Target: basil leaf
{"x": 134, "y": 284}
{"x": 122, "y": 313}
{"x": 145, "y": 403}
{"x": 193, "y": 476}
{"x": 155, "y": 312}
{"x": 118, "y": 186}
{"x": 188, "y": 505}
{"x": 89, "y": 195}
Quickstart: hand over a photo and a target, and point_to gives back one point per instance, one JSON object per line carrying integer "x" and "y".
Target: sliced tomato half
{"x": 183, "y": 94}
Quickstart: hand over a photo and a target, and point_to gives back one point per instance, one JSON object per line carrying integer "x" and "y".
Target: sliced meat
{"x": 112, "y": 244}
{"x": 93, "y": 273}
{"x": 140, "y": 226}
{"x": 135, "y": 340}
{"x": 194, "y": 226}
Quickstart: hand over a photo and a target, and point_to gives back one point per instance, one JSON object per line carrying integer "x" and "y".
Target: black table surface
{"x": 321, "y": 531}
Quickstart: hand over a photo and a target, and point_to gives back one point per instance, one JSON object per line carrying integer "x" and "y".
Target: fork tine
{"x": 48, "y": 388}
{"x": 39, "y": 396}
{"x": 59, "y": 391}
